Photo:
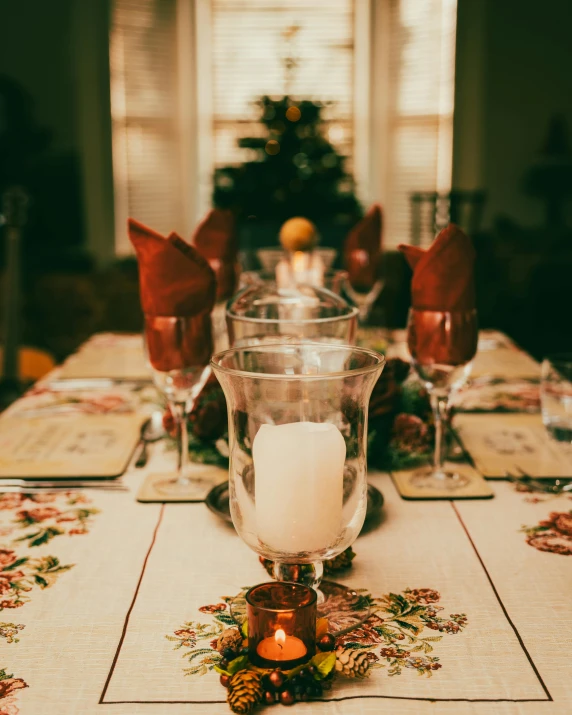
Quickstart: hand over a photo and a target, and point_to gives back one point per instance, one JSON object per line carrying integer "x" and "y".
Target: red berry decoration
{"x": 224, "y": 680}
{"x": 287, "y": 697}
{"x": 269, "y": 698}
{"x": 326, "y": 642}
{"x": 276, "y": 679}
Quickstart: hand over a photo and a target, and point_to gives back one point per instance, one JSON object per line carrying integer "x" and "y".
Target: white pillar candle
{"x": 299, "y": 483}
{"x": 303, "y": 267}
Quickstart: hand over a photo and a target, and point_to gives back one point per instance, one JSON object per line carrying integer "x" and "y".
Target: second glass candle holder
{"x": 281, "y": 624}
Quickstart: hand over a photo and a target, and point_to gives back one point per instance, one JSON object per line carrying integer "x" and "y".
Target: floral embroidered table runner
{"x": 110, "y": 606}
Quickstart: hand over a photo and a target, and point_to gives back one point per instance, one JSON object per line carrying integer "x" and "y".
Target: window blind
{"x": 144, "y": 115}
{"x": 421, "y": 95}
{"x": 252, "y": 41}
{"x": 249, "y": 44}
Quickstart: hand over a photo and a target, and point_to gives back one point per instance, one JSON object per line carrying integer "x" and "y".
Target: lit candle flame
{"x": 280, "y": 637}
{"x": 300, "y": 261}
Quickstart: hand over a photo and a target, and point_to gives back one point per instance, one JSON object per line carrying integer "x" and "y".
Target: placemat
{"x": 506, "y": 362}
{"x": 420, "y": 552}
{"x": 506, "y": 444}
{"x": 119, "y": 357}
{"x": 68, "y": 445}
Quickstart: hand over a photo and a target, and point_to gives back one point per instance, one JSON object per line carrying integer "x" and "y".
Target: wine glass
{"x": 298, "y": 468}
{"x": 363, "y": 285}
{"x": 264, "y": 313}
{"x": 178, "y": 351}
{"x": 442, "y": 345}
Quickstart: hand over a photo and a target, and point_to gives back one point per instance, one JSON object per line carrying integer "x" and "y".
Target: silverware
{"x": 60, "y": 484}
{"x": 93, "y": 383}
{"x": 152, "y": 431}
{"x": 43, "y": 490}
{"x": 546, "y": 485}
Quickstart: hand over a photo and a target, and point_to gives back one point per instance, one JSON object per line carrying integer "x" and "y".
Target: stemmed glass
{"x": 298, "y": 469}
{"x": 363, "y": 285}
{"x": 442, "y": 345}
{"x": 178, "y": 351}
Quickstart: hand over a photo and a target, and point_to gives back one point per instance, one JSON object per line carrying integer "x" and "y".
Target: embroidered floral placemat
{"x": 419, "y": 562}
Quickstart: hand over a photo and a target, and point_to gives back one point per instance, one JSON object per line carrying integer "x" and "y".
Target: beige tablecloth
{"x": 104, "y": 599}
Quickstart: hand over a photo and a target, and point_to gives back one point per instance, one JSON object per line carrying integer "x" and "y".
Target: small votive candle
{"x": 281, "y": 624}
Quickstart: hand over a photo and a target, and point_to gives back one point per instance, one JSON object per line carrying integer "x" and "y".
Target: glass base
{"x": 344, "y": 608}
{"x": 431, "y": 478}
{"x": 181, "y": 488}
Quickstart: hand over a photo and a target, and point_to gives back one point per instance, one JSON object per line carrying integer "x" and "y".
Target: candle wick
{"x": 279, "y": 645}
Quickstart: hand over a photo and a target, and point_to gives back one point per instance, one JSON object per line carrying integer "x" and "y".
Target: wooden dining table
{"x": 114, "y": 606}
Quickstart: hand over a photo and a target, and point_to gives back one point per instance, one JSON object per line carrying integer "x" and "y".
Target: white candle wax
{"x": 299, "y": 483}
{"x": 301, "y": 268}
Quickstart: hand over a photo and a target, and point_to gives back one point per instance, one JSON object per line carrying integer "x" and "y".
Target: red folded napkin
{"x": 443, "y": 275}
{"x": 443, "y": 326}
{"x": 362, "y": 249}
{"x": 216, "y": 240}
{"x": 175, "y": 282}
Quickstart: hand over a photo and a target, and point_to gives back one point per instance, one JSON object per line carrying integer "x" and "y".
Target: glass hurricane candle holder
{"x": 298, "y": 440}
{"x": 281, "y": 624}
{"x": 262, "y": 313}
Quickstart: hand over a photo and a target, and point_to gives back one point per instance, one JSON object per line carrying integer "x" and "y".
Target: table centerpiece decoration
{"x": 298, "y": 445}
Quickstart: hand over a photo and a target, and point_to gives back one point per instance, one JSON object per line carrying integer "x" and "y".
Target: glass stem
{"x": 440, "y": 406}
{"x": 307, "y": 574}
{"x": 180, "y": 415}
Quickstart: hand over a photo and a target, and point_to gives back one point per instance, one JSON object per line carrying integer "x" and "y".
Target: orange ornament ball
{"x": 298, "y": 234}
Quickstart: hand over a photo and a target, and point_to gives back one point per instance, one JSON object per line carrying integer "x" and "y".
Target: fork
{"x": 556, "y": 485}
{"x": 32, "y": 486}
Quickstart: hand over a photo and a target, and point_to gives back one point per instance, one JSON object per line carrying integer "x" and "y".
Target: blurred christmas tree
{"x": 297, "y": 171}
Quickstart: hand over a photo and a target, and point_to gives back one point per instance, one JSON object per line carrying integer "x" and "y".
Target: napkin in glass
{"x": 443, "y": 322}
{"x": 215, "y": 238}
{"x": 175, "y": 282}
{"x": 362, "y": 250}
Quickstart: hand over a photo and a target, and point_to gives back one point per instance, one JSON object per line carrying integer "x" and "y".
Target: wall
{"x": 514, "y": 71}
{"x": 58, "y": 51}
{"x": 36, "y": 51}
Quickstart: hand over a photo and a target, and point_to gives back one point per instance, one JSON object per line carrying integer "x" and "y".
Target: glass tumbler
{"x": 556, "y": 397}
{"x": 298, "y": 439}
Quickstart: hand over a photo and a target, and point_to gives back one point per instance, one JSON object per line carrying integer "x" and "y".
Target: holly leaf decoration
{"x": 237, "y": 664}
{"x": 324, "y": 663}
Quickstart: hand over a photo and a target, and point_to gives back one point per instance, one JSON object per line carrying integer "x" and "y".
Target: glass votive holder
{"x": 281, "y": 624}
{"x": 262, "y": 313}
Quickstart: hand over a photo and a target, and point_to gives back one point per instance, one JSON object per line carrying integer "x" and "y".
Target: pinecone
{"x": 339, "y": 562}
{"x": 244, "y": 691}
{"x": 352, "y": 663}
{"x": 229, "y": 638}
